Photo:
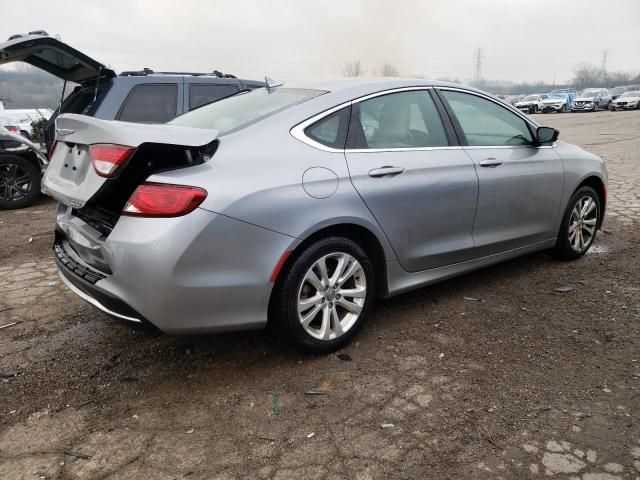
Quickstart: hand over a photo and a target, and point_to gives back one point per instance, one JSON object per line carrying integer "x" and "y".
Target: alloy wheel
{"x": 582, "y": 224}
{"x": 331, "y": 296}
{"x": 15, "y": 182}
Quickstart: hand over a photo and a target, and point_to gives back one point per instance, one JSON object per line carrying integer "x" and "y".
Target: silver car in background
{"x": 299, "y": 205}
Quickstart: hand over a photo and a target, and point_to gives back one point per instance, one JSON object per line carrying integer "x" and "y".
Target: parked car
{"x": 627, "y": 101}
{"x": 531, "y": 103}
{"x": 21, "y": 164}
{"x": 24, "y": 117}
{"x": 592, "y": 99}
{"x": 557, "y": 102}
{"x": 141, "y": 96}
{"x": 302, "y": 204}
{"x": 617, "y": 91}
{"x": 9, "y": 125}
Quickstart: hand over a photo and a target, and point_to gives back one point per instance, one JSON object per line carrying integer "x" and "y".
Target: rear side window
{"x": 200, "y": 94}
{"x": 150, "y": 104}
{"x": 332, "y": 130}
{"x": 397, "y": 120}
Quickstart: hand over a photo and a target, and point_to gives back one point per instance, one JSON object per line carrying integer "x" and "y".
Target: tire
{"x": 299, "y": 286}
{"x": 563, "y": 109}
{"x": 532, "y": 109}
{"x": 595, "y": 107}
{"x": 568, "y": 246}
{"x": 19, "y": 182}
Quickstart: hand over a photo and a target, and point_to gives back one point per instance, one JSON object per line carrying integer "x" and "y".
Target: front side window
{"x": 485, "y": 123}
{"x": 201, "y": 94}
{"x": 150, "y": 104}
{"x": 397, "y": 120}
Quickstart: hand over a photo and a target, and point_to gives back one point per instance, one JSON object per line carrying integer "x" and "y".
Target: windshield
{"x": 233, "y": 113}
{"x": 589, "y": 94}
{"x": 630, "y": 94}
{"x": 617, "y": 90}
{"x": 530, "y": 98}
{"x": 561, "y": 96}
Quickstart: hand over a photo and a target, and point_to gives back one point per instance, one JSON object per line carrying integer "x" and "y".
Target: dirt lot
{"x": 522, "y": 382}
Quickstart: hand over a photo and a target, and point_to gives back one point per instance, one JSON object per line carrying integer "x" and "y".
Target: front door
{"x": 421, "y": 189}
{"x": 520, "y": 183}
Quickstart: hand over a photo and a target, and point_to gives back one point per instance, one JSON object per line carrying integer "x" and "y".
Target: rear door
{"x": 520, "y": 183}
{"x": 418, "y": 183}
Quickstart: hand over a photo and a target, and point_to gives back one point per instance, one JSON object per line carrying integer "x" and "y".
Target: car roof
{"x": 350, "y": 88}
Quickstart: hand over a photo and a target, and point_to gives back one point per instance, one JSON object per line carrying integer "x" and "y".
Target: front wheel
{"x": 563, "y": 109}
{"x": 19, "y": 182}
{"x": 579, "y": 224}
{"x": 325, "y": 297}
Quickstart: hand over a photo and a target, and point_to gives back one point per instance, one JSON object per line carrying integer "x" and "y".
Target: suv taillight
{"x": 163, "y": 200}
{"x": 107, "y": 157}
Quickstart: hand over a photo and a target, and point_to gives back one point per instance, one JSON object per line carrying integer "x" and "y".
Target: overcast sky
{"x": 303, "y": 39}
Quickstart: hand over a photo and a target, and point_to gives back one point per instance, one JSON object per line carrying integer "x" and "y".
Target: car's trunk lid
{"x": 54, "y": 57}
{"x": 72, "y": 179}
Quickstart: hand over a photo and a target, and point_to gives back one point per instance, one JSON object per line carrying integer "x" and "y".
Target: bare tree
{"x": 586, "y": 75}
{"x": 353, "y": 69}
{"x": 388, "y": 70}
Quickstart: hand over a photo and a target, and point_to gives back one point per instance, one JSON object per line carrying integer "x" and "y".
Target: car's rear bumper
{"x": 199, "y": 273}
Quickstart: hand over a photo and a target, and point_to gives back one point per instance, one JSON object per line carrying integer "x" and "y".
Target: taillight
{"x": 107, "y": 157}
{"x": 163, "y": 200}
{"x": 13, "y": 129}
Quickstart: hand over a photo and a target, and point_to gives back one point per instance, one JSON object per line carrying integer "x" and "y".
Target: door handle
{"x": 490, "y": 162}
{"x": 386, "y": 171}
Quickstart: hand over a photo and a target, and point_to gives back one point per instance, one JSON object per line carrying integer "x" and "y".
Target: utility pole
{"x": 479, "y": 57}
{"x": 603, "y": 67}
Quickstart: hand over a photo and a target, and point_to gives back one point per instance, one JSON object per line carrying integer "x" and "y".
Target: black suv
{"x": 141, "y": 96}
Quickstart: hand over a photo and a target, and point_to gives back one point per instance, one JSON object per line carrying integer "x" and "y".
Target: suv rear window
{"x": 150, "y": 104}
{"x": 202, "y": 94}
{"x": 237, "y": 112}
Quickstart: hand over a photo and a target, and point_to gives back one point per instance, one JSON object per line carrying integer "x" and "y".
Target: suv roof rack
{"x": 147, "y": 71}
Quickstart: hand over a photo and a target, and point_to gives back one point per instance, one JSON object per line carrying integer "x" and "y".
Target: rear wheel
{"x": 326, "y": 295}
{"x": 19, "y": 182}
{"x": 579, "y": 224}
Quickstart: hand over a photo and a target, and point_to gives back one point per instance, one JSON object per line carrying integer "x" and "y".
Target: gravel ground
{"x": 491, "y": 375}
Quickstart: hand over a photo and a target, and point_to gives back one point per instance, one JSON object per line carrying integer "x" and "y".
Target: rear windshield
{"x": 238, "y": 111}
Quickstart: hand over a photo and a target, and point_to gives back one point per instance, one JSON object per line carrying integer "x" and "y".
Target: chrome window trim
{"x": 298, "y": 130}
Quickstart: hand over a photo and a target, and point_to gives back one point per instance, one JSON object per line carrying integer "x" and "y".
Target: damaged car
{"x": 592, "y": 100}
{"x": 298, "y": 205}
{"x": 531, "y": 103}
{"x": 557, "y": 102}
{"x": 21, "y": 167}
{"x": 141, "y": 96}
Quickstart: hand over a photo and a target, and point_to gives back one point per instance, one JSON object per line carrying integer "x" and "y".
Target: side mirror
{"x": 546, "y": 135}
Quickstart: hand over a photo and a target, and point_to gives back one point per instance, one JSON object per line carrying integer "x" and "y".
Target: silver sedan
{"x": 299, "y": 205}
